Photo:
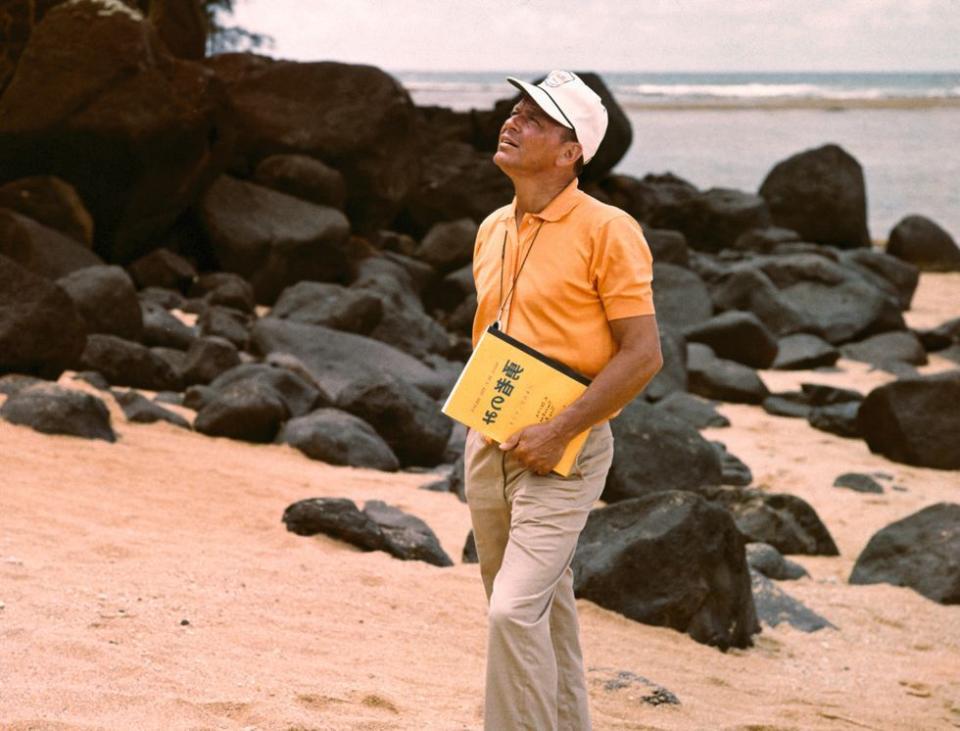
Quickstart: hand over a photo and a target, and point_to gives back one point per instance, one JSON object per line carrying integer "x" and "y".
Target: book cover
{"x": 507, "y": 385}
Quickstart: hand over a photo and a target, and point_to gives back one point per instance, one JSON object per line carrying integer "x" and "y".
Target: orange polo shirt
{"x": 589, "y": 263}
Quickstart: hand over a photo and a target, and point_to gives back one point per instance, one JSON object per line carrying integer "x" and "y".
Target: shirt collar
{"x": 564, "y": 202}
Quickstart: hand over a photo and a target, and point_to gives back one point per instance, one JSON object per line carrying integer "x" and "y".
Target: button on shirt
{"x": 589, "y": 263}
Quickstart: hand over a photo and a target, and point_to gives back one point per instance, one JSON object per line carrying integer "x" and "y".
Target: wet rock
{"x": 50, "y": 409}
{"x": 919, "y": 551}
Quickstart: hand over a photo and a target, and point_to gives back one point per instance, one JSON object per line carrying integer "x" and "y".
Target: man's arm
{"x": 638, "y": 359}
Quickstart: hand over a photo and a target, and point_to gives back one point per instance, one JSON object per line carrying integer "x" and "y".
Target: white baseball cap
{"x": 568, "y": 101}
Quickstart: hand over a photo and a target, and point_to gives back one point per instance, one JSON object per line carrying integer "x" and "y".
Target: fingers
{"x": 510, "y": 443}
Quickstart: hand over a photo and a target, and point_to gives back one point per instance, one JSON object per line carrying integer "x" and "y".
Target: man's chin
{"x": 502, "y": 160}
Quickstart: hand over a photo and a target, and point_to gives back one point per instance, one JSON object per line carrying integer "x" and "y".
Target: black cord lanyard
{"x": 503, "y": 255}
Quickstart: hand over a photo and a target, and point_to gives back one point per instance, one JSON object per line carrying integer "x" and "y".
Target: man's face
{"x": 530, "y": 141}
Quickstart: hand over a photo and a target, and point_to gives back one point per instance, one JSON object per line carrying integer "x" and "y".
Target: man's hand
{"x": 538, "y": 447}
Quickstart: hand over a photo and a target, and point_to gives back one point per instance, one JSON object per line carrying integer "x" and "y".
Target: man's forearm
{"x": 614, "y": 387}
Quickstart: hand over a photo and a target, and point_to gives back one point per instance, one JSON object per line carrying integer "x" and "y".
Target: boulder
{"x": 163, "y": 268}
{"x": 409, "y": 421}
{"x": 803, "y": 351}
{"x": 165, "y": 298}
{"x": 448, "y": 245}
{"x": 300, "y": 396}
{"x": 451, "y": 291}
{"x": 42, "y": 250}
{"x": 226, "y": 323}
{"x": 712, "y": 220}
{"x": 41, "y": 332}
{"x": 839, "y": 419}
{"x": 775, "y": 606}
{"x": 721, "y": 379}
{"x": 821, "y": 194}
{"x": 52, "y": 202}
{"x": 161, "y": 329}
{"x": 672, "y": 376}
{"x": 820, "y": 394}
{"x": 378, "y": 527}
{"x": 897, "y": 278}
{"x": 302, "y": 177}
{"x": 764, "y": 240}
{"x": 697, "y": 412}
{"x": 915, "y": 421}
{"x": 882, "y": 349}
{"x": 923, "y": 243}
{"x": 667, "y": 246}
{"x": 338, "y": 438}
{"x": 940, "y": 337}
{"x": 736, "y": 336}
{"x": 50, "y": 409}
{"x": 98, "y": 101}
{"x": 207, "y": 358}
{"x": 106, "y": 300}
{"x": 142, "y": 410}
{"x": 680, "y": 297}
{"x": 454, "y": 481}
{"x": 656, "y": 451}
{"x": 337, "y": 359}
{"x": 786, "y": 522}
{"x": 767, "y": 560}
{"x": 751, "y": 290}
{"x": 14, "y": 382}
{"x": 919, "y": 551}
{"x": 669, "y": 559}
{"x": 733, "y": 470}
{"x": 331, "y": 305}
{"x": 272, "y": 239}
{"x": 780, "y": 404}
{"x": 248, "y": 410}
{"x": 226, "y": 289}
{"x": 125, "y": 363}
{"x": 355, "y": 118}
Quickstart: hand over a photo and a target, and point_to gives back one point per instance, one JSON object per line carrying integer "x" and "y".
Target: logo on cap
{"x": 558, "y": 78}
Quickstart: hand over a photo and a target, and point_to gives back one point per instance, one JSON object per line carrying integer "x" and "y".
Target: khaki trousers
{"x": 526, "y": 528}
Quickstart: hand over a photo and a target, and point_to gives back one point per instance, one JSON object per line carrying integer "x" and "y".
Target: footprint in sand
{"x": 919, "y": 690}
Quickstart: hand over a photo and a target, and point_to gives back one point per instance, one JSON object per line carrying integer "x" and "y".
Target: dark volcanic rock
{"x": 50, "y": 409}
{"x": 803, "y": 351}
{"x": 919, "y": 551}
{"x": 713, "y": 219}
{"x": 922, "y": 242}
{"x": 820, "y": 394}
{"x": 470, "y": 549}
{"x": 99, "y": 101}
{"x": 162, "y": 268}
{"x": 51, "y": 201}
{"x": 839, "y": 419}
{"x": 775, "y": 606}
{"x": 724, "y": 380}
{"x": 697, "y": 412}
{"x": 330, "y": 305}
{"x": 302, "y": 177}
{"x": 786, "y": 522}
{"x": 13, "y": 382}
{"x": 896, "y": 277}
{"x": 168, "y": 299}
{"x": 226, "y": 323}
{"x": 337, "y": 359}
{"x": 226, "y": 289}
{"x": 448, "y": 246}
{"x": 272, "y": 239}
{"x": 670, "y": 559}
{"x": 680, "y": 297}
{"x": 858, "y": 482}
{"x": 300, "y": 395}
{"x": 142, "y": 410}
{"x": 820, "y": 193}
{"x": 339, "y": 438}
{"x": 915, "y": 421}
{"x": 409, "y": 421}
{"x": 770, "y": 562}
{"x": 41, "y": 332}
{"x": 667, "y": 246}
{"x": 764, "y": 240}
{"x": 42, "y": 250}
{"x": 886, "y": 348}
{"x": 736, "y": 336}
{"x": 672, "y": 377}
{"x": 162, "y": 329}
{"x": 940, "y": 337}
{"x": 656, "y": 452}
{"x": 106, "y": 300}
{"x": 733, "y": 470}
{"x": 207, "y": 358}
{"x": 781, "y": 405}
{"x": 125, "y": 363}
{"x": 356, "y": 118}
{"x": 248, "y": 410}
{"x": 378, "y": 527}
{"x": 752, "y": 290}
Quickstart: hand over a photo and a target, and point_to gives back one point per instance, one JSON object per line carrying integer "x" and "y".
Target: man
{"x": 571, "y": 277}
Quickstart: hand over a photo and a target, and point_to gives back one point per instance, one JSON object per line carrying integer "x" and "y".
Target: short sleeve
{"x": 622, "y": 268}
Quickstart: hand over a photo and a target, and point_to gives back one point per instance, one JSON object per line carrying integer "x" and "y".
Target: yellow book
{"x": 507, "y": 385}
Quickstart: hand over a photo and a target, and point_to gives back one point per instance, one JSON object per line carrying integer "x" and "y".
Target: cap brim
{"x": 542, "y": 100}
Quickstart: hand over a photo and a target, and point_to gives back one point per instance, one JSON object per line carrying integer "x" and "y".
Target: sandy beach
{"x": 149, "y": 584}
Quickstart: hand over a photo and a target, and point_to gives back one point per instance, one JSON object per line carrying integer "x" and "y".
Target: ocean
{"x": 729, "y": 129}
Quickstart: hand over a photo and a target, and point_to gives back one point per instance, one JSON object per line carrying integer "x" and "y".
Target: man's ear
{"x": 570, "y": 154}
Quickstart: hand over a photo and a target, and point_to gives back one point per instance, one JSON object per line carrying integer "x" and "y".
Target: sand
{"x": 149, "y": 584}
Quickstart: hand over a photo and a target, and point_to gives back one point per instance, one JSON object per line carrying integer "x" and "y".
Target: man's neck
{"x": 533, "y": 195}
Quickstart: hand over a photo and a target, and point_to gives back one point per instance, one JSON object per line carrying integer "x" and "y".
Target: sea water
{"x": 729, "y": 129}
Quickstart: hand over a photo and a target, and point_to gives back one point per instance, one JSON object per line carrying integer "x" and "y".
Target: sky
{"x": 614, "y": 35}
